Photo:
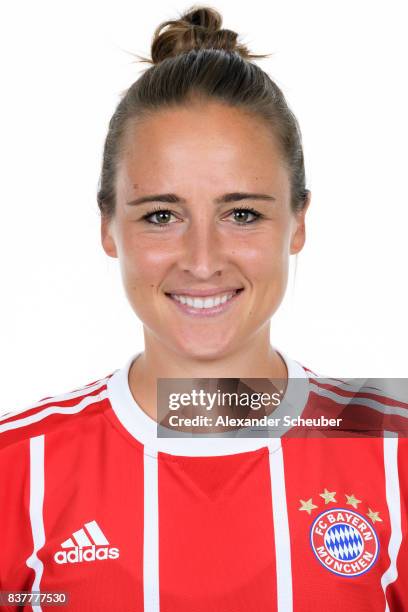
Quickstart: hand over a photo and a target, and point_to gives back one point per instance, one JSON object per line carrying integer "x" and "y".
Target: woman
{"x": 202, "y": 200}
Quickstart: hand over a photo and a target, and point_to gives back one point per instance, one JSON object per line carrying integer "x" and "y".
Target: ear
{"x": 299, "y": 236}
{"x": 107, "y": 238}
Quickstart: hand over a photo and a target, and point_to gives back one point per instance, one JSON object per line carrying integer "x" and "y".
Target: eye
{"x": 160, "y": 213}
{"x": 242, "y": 215}
{"x": 162, "y": 216}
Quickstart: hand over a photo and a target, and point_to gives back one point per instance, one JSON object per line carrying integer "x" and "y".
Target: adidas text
{"x": 93, "y": 553}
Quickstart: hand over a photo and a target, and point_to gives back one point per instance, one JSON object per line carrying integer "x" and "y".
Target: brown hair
{"x": 194, "y": 57}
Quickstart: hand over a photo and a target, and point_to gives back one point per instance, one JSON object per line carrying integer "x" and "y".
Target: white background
{"x": 65, "y": 320}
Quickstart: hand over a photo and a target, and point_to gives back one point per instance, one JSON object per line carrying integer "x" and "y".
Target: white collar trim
{"x": 144, "y": 429}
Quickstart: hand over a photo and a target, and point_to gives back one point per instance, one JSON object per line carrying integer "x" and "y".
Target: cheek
{"x": 266, "y": 260}
{"x": 143, "y": 260}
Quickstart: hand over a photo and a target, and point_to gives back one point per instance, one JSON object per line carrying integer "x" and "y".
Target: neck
{"x": 255, "y": 359}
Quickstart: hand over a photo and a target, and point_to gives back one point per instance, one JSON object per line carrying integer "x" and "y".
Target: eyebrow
{"x": 172, "y": 198}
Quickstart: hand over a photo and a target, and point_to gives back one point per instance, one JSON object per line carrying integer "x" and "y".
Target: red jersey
{"x": 95, "y": 505}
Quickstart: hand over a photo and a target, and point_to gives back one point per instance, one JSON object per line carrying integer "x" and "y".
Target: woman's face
{"x": 196, "y": 164}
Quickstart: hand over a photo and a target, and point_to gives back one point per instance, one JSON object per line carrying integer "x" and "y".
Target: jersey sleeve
{"x": 396, "y": 577}
{"x": 16, "y": 541}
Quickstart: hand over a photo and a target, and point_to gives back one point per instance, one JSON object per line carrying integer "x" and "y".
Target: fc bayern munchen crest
{"x": 344, "y": 542}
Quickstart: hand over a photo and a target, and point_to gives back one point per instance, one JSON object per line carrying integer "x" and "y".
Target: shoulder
{"x": 53, "y": 412}
{"x": 366, "y": 405}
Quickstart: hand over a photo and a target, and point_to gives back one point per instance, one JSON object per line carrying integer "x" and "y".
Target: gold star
{"x": 374, "y": 515}
{"x": 352, "y": 501}
{"x": 307, "y": 505}
{"x": 328, "y": 496}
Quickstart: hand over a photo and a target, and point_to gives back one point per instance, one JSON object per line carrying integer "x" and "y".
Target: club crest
{"x": 344, "y": 542}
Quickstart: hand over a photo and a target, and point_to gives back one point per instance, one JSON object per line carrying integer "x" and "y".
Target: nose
{"x": 202, "y": 249}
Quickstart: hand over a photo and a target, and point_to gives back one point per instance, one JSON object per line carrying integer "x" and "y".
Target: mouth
{"x": 205, "y": 305}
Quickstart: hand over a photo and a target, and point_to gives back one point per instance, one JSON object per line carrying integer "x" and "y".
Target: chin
{"x": 205, "y": 350}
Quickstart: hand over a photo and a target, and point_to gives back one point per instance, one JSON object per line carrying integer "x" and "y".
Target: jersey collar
{"x": 145, "y": 429}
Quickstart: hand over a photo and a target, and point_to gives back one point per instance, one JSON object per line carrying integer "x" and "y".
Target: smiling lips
{"x": 213, "y": 304}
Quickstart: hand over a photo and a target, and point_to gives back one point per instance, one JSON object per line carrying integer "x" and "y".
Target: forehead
{"x": 202, "y": 140}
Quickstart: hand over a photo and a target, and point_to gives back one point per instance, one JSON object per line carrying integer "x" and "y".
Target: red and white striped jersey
{"x": 95, "y": 505}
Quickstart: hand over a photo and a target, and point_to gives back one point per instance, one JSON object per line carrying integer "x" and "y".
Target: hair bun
{"x": 198, "y": 28}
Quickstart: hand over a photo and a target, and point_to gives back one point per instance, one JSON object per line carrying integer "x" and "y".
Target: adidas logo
{"x": 87, "y": 544}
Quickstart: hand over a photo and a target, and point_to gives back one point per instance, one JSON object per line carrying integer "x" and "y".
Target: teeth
{"x": 208, "y": 302}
